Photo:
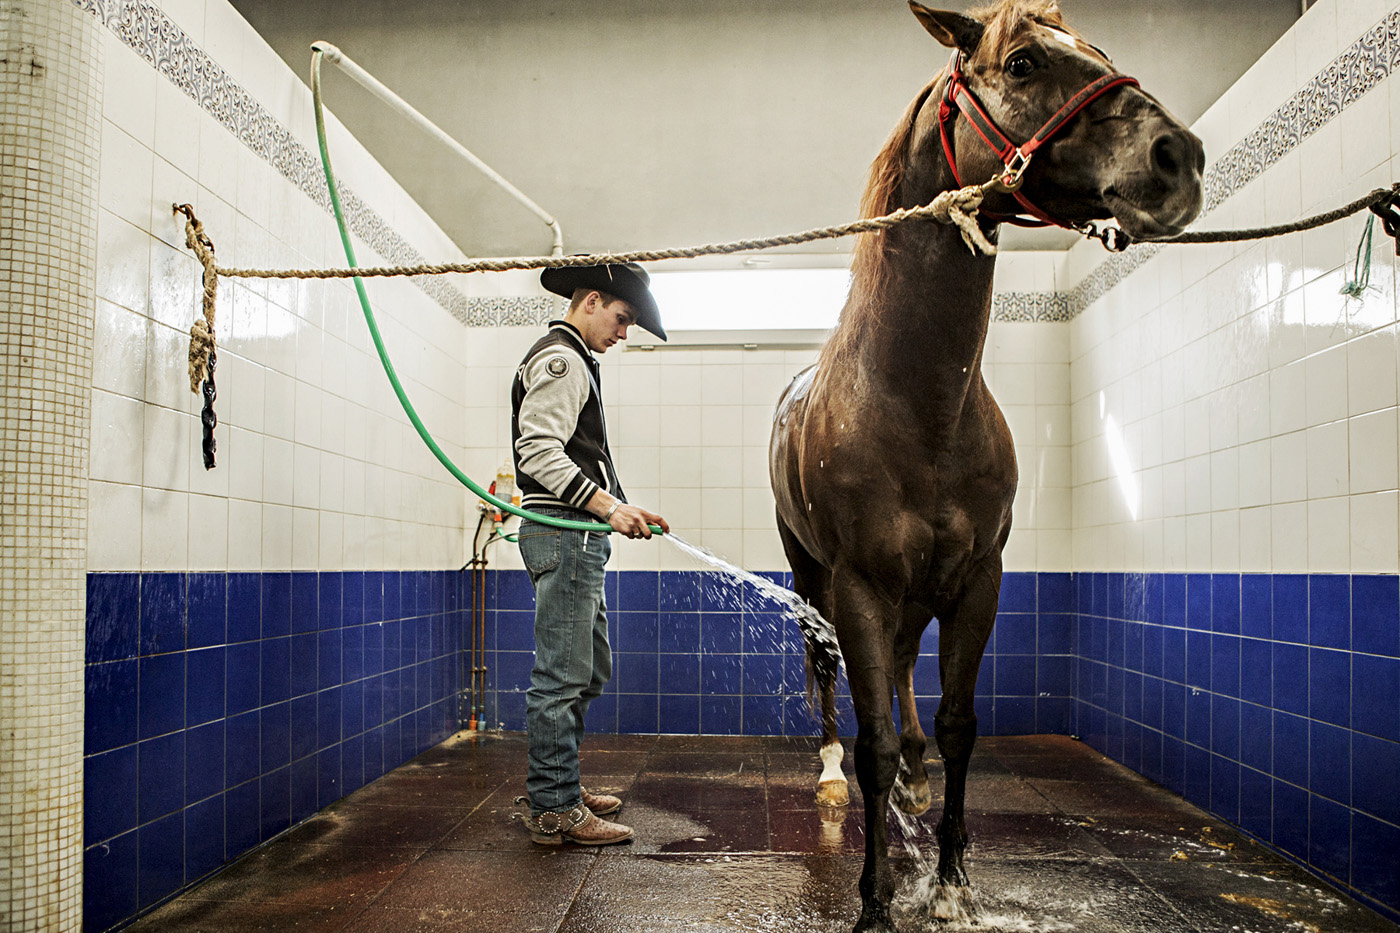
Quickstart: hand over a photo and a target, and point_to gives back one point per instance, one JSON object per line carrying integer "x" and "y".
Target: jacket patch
{"x": 557, "y": 366}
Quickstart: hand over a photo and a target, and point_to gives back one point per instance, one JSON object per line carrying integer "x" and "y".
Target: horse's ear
{"x": 952, "y": 29}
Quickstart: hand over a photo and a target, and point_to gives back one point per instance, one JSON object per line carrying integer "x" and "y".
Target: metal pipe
{"x": 374, "y": 86}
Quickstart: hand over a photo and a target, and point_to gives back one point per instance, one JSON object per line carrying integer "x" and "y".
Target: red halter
{"x": 958, "y": 97}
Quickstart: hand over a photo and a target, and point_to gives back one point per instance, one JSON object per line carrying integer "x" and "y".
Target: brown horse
{"x": 892, "y": 466}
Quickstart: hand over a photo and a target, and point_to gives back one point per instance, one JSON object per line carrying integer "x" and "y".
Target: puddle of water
{"x": 814, "y": 627}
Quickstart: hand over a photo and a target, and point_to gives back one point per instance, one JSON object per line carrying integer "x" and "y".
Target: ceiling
{"x": 656, "y": 123}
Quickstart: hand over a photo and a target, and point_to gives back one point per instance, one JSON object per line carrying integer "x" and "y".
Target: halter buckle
{"x": 1114, "y": 239}
{"x": 1014, "y": 173}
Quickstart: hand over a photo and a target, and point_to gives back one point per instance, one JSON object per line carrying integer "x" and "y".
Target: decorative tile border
{"x": 1030, "y": 306}
{"x": 156, "y": 38}
{"x": 513, "y": 312}
{"x": 1368, "y": 61}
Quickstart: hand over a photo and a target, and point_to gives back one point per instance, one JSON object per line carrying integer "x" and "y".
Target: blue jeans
{"x": 572, "y": 658}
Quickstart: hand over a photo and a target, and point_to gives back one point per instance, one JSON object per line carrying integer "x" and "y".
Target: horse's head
{"x": 1123, "y": 155}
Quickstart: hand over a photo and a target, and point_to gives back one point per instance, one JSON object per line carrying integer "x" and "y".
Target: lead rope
{"x": 203, "y": 358}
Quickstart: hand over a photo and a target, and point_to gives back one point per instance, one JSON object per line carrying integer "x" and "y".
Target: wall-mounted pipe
{"x": 374, "y": 86}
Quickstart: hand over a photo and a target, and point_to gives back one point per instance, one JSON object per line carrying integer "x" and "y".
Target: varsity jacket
{"x": 558, "y": 436}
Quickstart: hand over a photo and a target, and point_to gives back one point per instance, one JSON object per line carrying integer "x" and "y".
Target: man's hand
{"x": 633, "y": 521}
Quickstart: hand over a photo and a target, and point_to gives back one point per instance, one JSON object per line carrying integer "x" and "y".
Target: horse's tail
{"x": 823, "y": 655}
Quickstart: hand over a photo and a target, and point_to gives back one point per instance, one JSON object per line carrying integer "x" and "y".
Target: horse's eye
{"x": 1020, "y": 66}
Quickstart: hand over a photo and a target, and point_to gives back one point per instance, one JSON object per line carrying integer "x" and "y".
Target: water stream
{"x": 815, "y": 629}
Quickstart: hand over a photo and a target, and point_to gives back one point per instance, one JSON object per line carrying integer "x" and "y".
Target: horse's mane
{"x": 870, "y": 259}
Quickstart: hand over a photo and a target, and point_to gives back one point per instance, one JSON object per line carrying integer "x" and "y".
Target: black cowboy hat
{"x": 627, "y": 281}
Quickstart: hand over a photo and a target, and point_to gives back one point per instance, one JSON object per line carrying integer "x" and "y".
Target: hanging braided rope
{"x": 203, "y": 358}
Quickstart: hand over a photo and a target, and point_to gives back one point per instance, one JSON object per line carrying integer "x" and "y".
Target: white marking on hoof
{"x": 832, "y": 790}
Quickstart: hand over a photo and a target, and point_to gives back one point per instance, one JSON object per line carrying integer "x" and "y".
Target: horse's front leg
{"x": 912, "y": 793}
{"x": 962, "y": 640}
{"x": 863, "y": 626}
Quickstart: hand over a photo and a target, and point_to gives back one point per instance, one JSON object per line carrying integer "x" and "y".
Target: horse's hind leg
{"x": 962, "y": 640}
{"x": 812, "y": 582}
{"x": 912, "y": 793}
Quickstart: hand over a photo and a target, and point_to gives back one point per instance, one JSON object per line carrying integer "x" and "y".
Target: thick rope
{"x": 1307, "y": 223}
{"x": 202, "y": 333}
{"x": 957, "y": 207}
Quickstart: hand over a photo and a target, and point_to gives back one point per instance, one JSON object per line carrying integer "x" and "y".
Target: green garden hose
{"x": 384, "y": 355}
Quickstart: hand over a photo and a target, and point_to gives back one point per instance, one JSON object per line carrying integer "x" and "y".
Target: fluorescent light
{"x": 751, "y": 299}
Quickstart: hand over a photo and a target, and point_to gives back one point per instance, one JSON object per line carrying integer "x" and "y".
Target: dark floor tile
{"x": 187, "y": 915}
{"x": 606, "y": 761}
{"x": 819, "y": 830}
{"x": 744, "y": 893}
{"x": 398, "y": 789}
{"x": 451, "y": 920}
{"x": 1001, "y": 794}
{"x": 661, "y": 830}
{"x": 282, "y": 875}
{"x": 712, "y": 744}
{"x": 689, "y": 793}
{"x": 1075, "y": 765}
{"x": 1029, "y": 835}
{"x": 800, "y": 793}
{"x": 540, "y": 882}
{"x": 730, "y": 766}
{"x": 492, "y": 827}
{"x": 1099, "y": 799}
{"x": 1150, "y": 837}
{"x": 414, "y": 828}
{"x": 1091, "y": 896}
{"x": 1268, "y": 899}
{"x": 625, "y": 742}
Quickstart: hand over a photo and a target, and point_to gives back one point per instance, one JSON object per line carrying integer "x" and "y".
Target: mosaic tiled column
{"x": 50, "y": 132}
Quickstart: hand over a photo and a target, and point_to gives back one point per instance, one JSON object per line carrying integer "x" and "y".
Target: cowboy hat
{"x": 627, "y": 281}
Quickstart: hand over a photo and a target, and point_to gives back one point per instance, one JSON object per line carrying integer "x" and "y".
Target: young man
{"x": 564, "y": 469}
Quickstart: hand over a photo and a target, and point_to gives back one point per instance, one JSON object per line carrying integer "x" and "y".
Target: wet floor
{"x": 728, "y": 838}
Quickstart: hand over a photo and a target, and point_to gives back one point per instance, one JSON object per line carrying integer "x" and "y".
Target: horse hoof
{"x": 914, "y": 801}
{"x": 833, "y": 794}
{"x": 874, "y": 921}
{"x": 952, "y": 902}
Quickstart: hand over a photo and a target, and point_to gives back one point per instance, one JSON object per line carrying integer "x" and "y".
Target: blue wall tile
{"x": 111, "y": 711}
{"x": 158, "y": 760}
{"x": 1291, "y": 608}
{"x": 1376, "y": 615}
{"x": 204, "y": 838}
{"x": 110, "y": 784}
{"x": 1329, "y": 837}
{"x": 162, "y": 612}
{"x": 161, "y": 850}
{"x": 208, "y": 609}
{"x": 113, "y": 616}
{"x": 162, "y": 694}
{"x": 205, "y": 673}
{"x": 1329, "y": 674}
{"x": 1375, "y": 696}
{"x": 1375, "y": 776}
{"x": 1225, "y": 602}
{"x": 1329, "y": 611}
{"x": 1375, "y": 858}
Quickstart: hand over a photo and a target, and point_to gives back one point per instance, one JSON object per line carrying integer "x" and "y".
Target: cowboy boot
{"x": 600, "y": 804}
{"x": 578, "y": 825}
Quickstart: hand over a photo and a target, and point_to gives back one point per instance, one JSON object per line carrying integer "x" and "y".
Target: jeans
{"x": 572, "y": 658}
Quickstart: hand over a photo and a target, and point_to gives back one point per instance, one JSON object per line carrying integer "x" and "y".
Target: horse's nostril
{"x": 1168, "y": 156}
